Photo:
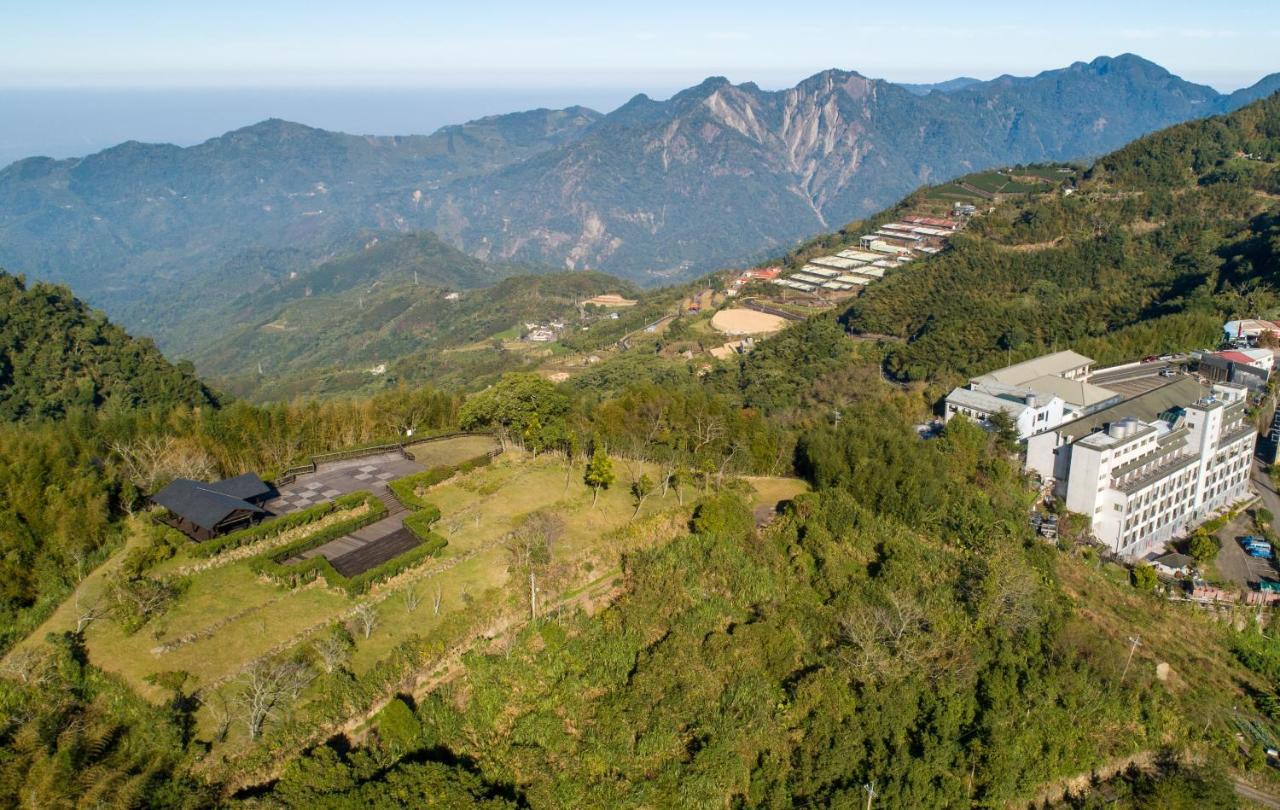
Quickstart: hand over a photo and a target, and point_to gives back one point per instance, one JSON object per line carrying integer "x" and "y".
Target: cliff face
{"x": 721, "y": 171}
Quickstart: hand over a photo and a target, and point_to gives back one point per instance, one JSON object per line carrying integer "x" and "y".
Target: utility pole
{"x": 533, "y": 598}
{"x": 1134, "y": 641}
{"x": 870, "y": 788}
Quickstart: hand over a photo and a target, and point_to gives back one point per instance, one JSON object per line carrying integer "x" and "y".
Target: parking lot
{"x": 1136, "y": 380}
{"x": 1234, "y": 564}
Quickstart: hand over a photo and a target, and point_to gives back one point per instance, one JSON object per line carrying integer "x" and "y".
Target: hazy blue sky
{"x": 77, "y": 75}
{"x": 536, "y": 42}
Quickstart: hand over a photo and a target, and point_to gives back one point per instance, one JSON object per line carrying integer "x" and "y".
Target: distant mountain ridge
{"x": 653, "y": 191}
{"x": 950, "y": 85}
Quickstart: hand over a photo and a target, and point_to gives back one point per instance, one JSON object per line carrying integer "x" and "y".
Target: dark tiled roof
{"x": 1175, "y": 560}
{"x": 202, "y": 504}
{"x": 246, "y": 487}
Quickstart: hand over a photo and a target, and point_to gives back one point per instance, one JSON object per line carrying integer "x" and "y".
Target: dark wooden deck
{"x": 375, "y": 552}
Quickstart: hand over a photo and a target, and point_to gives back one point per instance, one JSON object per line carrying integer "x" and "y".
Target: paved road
{"x": 1256, "y": 796}
{"x": 1263, "y": 486}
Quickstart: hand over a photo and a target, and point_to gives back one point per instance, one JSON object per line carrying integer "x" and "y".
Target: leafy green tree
{"x": 512, "y": 404}
{"x": 599, "y": 473}
{"x": 1203, "y": 547}
{"x": 398, "y": 727}
{"x": 1005, "y": 429}
{"x": 1144, "y": 577}
{"x": 641, "y": 489}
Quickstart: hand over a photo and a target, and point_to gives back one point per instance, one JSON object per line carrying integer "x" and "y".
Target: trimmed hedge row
{"x": 292, "y": 576}
{"x": 319, "y": 566}
{"x": 270, "y": 528}
{"x": 420, "y": 522}
{"x": 405, "y": 489}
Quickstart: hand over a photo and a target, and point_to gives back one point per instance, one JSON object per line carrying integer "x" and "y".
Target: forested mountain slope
{"x": 57, "y": 355}
{"x": 1160, "y": 243}
{"x": 119, "y": 223}
{"x": 654, "y": 190}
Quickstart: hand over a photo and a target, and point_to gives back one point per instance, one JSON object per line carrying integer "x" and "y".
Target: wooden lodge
{"x": 203, "y": 510}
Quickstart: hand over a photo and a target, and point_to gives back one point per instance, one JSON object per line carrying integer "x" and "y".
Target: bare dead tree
{"x": 86, "y": 614}
{"x": 332, "y": 649}
{"x": 220, "y": 712}
{"x": 706, "y": 430}
{"x": 150, "y": 460}
{"x": 435, "y": 602}
{"x": 26, "y": 665}
{"x": 529, "y": 553}
{"x": 880, "y": 641}
{"x": 411, "y": 598}
{"x": 266, "y": 688}
{"x": 365, "y": 618}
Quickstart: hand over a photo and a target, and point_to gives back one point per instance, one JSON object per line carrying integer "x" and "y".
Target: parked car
{"x": 1167, "y": 372}
{"x": 1150, "y": 359}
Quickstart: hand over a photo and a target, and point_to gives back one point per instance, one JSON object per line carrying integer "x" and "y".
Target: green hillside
{"x": 57, "y": 355}
{"x": 398, "y": 313}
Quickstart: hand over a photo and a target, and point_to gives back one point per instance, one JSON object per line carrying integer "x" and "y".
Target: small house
{"x": 1174, "y": 564}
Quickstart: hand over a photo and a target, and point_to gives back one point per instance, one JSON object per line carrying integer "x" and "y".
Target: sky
{"x": 75, "y": 74}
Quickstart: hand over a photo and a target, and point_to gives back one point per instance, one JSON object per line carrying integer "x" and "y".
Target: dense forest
{"x": 57, "y": 355}
{"x": 897, "y": 629}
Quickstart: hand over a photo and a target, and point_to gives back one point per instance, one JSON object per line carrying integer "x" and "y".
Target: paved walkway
{"x": 339, "y": 478}
{"x": 367, "y": 546}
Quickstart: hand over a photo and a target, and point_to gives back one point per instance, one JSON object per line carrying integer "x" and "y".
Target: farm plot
{"x": 747, "y": 322}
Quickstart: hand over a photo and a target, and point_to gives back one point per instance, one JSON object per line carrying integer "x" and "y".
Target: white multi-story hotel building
{"x": 1151, "y": 468}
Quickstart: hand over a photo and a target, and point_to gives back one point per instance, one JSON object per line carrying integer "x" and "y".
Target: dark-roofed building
{"x": 203, "y": 510}
{"x": 1174, "y": 564}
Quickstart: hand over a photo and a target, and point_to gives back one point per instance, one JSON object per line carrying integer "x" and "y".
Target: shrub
{"x": 723, "y": 516}
{"x": 1144, "y": 577}
{"x": 274, "y": 526}
{"x": 406, "y": 489}
{"x": 420, "y": 522}
{"x": 398, "y": 727}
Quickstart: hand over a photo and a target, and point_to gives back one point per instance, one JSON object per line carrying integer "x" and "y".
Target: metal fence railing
{"x": 290, "y": 475}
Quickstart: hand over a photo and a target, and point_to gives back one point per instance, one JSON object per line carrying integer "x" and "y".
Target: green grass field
{"x": 450, "y": 451}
